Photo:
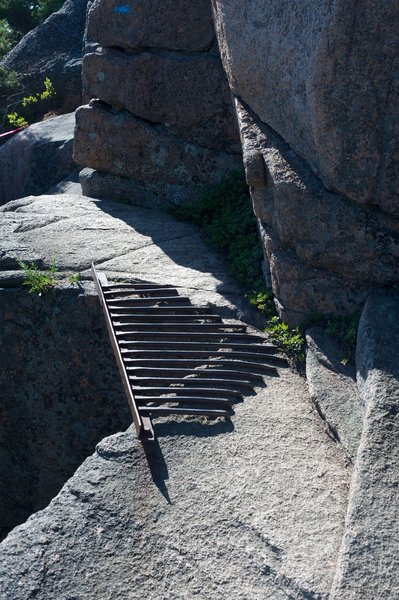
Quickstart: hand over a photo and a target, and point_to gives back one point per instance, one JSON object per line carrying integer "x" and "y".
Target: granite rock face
{"x": 315, "y": 88}
{"x": 121, "y": 144}
{"x": 164, "y": 24}
{"x": 333, "y": 389}
{"x": 368, "y": 565}
{"x": 325, "y": 253}
{"x": 324, "y": 77}
{"x": 212, "y": 511}
{"x": 160, "y": 111}
{"x": 54, "y": 50}
{"x": 37, "y": 158}
{"x": 60, "y": 393}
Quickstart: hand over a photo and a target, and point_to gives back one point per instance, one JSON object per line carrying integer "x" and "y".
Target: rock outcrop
{"x": 53, "y": 49}
{"x": 368, "y": 565}
{"x": 60, "y": 393}
{"x": 37, "y": 158}
{"x": 315, "y": 90}
{"x": 160, "y": 111}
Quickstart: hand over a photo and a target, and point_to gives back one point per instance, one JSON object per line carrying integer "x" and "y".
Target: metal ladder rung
{"x": 186, "y": 391}
{"x": 255, "y": 378}
{"x": 188, "y": 381}
{"x": 158, "y": 411}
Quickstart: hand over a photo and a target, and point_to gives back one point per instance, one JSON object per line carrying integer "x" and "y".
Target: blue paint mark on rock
{"x": 123, "y": 9}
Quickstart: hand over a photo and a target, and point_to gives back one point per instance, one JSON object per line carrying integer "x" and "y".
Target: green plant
{"x": 226, "y": 216}
{"x": 24, "y": 15}
{"x": 37, "y": 280}
{"x": 74, "y": 278}
{"x": 225, "y": 213}
{"x": 263, "y": 301}
{"x": 17, "y": 120}
{"x": 8, "y": 37}
{"x": 9, "y": 82}
{"x": 291, "y": 341}
{"x": 343, "y": 330}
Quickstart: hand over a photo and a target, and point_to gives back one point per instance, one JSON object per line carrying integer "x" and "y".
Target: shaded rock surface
{"x": 314, "y": 89}
{"x": 54, "y": 50}
{"x": 163, "y": 115}
{"x": 37, "y": 158}
{"x": 173, "y": 169}
{"x": 333, "y": 389}
{"x": 60, "y": 393}
{"x": 369, "y": 560}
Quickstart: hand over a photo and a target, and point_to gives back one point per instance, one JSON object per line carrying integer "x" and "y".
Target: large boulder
{"x": 54, "y": 50}
{"x": 163, "y": 115}
{"x": 37, "y": 158}
{"x": 315, "y": 87}
{"x": 325, "y": 253}
{"x": 324, "y": 77}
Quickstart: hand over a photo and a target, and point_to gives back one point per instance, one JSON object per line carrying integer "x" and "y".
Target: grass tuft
{"x": 36, "y": 280}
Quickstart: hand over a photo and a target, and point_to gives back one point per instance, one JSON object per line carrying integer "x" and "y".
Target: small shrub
{"x": 263, "y": 301}
{"x": 225, "y": 213}
{"x": 291, "y": 341}
{"x": 9, "y": 82}
{"x": 226, "y": 216}
{"x": 36, "y": 280}
{"x": 17, "y": 120}
{"x": 75, "y": 278}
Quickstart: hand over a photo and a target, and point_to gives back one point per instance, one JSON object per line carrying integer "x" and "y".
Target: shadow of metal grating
{"x": 175, "y": 358}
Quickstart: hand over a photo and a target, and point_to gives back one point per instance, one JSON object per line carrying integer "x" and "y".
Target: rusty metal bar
{"x": 153, "y": 362}
{"x": 143, "y": 427}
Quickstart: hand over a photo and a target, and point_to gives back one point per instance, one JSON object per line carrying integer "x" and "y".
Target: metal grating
{"x": 177, "y": 358}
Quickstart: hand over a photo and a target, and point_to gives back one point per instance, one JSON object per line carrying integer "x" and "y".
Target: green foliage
{"x": 264, "y": 303}
{"x": 24, "y": 15}
{"x": 17, "y": 120}
{"x": 343, "y": 330}
{"x": 225, "y": 213}
{"x": 74, "y": 278}
{"x": 9, "y": 84}
{"x": 44, "y": 8}
{"x": 291, "y": 341}
{"x": 36, "y": 280}
{"x": 8, "y": 37}
{"x": 8, "y": 79}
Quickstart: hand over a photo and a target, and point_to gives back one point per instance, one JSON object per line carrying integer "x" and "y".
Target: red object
{"x": 13, "y": 131}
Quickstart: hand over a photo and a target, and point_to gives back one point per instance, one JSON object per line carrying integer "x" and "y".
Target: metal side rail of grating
{"x": 176, "y": 358}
